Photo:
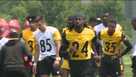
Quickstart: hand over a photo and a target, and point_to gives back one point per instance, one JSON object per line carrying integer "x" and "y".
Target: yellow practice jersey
{"x": 83, "y": 43}
{"x": 111, "y": 44}
{"x": 29, "y": 39}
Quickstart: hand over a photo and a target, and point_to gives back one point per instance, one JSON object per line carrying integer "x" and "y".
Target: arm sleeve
{"x": 127, "y": 44}
{"x": 63, "y": 49}
{"x": 97, "y": 48}
{"x": 56, "y": 35}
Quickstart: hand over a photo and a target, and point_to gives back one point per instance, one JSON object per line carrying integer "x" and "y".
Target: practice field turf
{"x": 128, "y": 69}
{"x": 127, "y": 63}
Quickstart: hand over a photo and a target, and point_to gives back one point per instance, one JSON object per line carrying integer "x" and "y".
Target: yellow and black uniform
{"x": 111, "y": 45}
{"x": 81, "y": 64}
{"x": 83, "y": 42}
{"x": 30, "y": 42}
{"x": 29, "y": 39}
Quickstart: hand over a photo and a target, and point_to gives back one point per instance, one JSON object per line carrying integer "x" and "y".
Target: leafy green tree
{"x": 57, "y": 11}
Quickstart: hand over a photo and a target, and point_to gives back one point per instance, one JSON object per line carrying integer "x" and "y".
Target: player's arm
{"x": 97, "y": 45}
{"x": 63, "y": 50}
{"x": 57, "y": 40}
{"x": 36, "y": 54}
{"x": 37, "y": 51}
{"x": 127, "y": 44}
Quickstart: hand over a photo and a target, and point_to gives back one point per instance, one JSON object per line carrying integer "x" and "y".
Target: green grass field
{"x": 128, "y": 69}
{"x": 127, "y": 63}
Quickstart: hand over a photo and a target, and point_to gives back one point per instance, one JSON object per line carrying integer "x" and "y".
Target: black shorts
{"x": 46, "y": 66}
{"x": 82, "y": 68}
{"x": 110, "y": 67}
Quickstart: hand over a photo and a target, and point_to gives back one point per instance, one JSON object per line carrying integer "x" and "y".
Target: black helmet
{"x": 34, "y": 18}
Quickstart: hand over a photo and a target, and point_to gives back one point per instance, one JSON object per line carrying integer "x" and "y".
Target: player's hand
{"x": 57, "y": 61}
{"x": 25, "y": 58}
{"x": 97, "y": 60}
{"x": 56, "y": 66}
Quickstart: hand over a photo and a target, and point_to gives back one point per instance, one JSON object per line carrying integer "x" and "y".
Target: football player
{"x": 104, "y": 19}
{"x": 65, "y": 69}
{"x": 48, "y": 45}
{"x": 29, "y": 38}
{"x": 78, "y": 44}
{"x": 112, "y": 39}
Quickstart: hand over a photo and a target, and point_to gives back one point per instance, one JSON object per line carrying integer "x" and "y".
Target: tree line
{"x": 57, "y": 11}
